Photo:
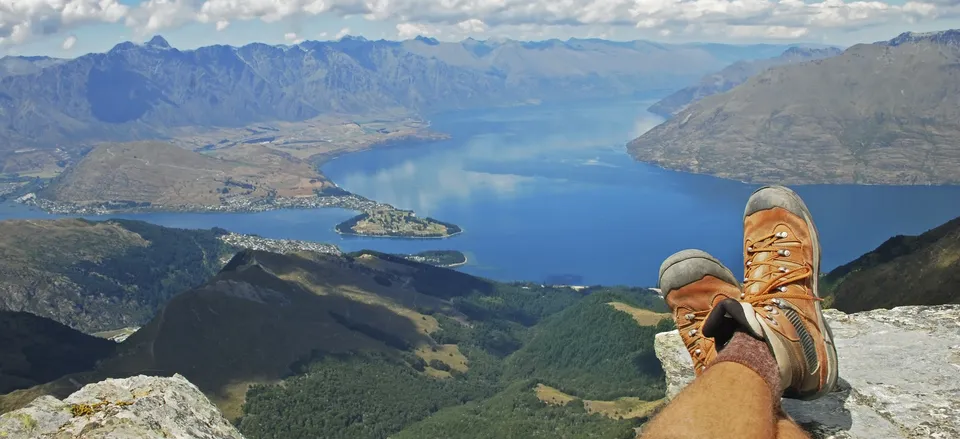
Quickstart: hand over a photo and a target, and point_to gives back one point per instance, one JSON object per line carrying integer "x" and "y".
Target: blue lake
{"x": 548, "y": 191}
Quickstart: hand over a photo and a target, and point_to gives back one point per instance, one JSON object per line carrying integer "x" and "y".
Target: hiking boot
{"x": 692, "y": 282}
{"x": 782, "y": 265}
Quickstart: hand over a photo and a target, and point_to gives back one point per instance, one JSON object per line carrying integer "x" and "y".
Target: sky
{"x": 70, "y": 28}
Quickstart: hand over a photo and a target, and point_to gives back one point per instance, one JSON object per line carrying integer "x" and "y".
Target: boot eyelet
{"x": 693, "y": 332}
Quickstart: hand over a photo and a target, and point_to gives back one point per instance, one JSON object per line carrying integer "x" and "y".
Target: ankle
{"x": 755, "y": 355}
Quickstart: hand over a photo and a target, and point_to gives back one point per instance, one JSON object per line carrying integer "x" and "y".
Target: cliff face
{"x": 899, "y": 375}
{"x": 137, "y": 407}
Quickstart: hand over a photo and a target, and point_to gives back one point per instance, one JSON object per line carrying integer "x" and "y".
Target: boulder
{"x": 899, "y": 375}
{"x": 136, "y": 407}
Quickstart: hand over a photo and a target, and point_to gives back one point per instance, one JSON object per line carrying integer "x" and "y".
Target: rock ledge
{"x": 899, "y": 375}
{"x": 136, "y": 407}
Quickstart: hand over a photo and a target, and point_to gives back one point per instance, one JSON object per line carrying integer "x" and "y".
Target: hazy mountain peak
{"x": 427, "y": 40}
{"x": 126, "y": 45}
{"x": 810, "y": 52}
{"x": 946, "y": 37}
{"x": 158, "y": 41}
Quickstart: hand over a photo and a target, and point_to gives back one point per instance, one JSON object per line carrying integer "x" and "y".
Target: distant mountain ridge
{"x": 145, "y": 91}
{"x": 732, "y": 76}
{"x": 883, "y": 113}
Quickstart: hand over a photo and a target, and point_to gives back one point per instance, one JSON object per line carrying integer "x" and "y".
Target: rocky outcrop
{"x": 137, "y": 407}
{"x": 899, "y": 375}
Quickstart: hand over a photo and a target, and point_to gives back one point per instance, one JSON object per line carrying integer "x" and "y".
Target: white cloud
{"x": 69, "y": 42}
{"x": 343, "y": 32}
{"x": 152, "y": 16}
{"x": 747, "y": 18}
{"x": 22, "y": 19}
{"x": 472, "y": 25}
{"x": 410, "y": 30}
{"x": 292, "y": 37}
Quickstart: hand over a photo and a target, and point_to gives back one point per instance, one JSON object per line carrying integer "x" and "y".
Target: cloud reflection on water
{"x": 502, "y": 162}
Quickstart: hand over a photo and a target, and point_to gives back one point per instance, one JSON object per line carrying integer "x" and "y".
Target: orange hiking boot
{"x": 780, "y": 300}
{"x": 692, "y": 282}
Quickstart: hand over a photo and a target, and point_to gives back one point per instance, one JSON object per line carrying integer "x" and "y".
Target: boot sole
{"x": 724, "y": 273}
{"x": 822, "y": 326}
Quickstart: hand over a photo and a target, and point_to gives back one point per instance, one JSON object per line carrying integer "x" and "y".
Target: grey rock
{"x": 136, "y": 407}
{"x": 676, "y": 361}
{"x": 899, "y": 375}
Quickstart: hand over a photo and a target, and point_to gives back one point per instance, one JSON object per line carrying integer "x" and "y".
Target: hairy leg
{"x": 729, "y": 401}
{"x": 788, "y": 429}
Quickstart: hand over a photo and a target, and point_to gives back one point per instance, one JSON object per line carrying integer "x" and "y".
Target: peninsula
{"x": 392, "y": 222}
{"x": 245, "y": 177}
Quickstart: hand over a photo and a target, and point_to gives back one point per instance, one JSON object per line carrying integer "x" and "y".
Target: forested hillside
{"x": 97, "y": 276}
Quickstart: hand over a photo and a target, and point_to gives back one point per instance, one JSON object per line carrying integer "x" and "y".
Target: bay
{"x": 549, "y": 194}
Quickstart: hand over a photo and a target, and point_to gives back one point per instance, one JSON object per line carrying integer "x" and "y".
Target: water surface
{"x": 550, "y": 193}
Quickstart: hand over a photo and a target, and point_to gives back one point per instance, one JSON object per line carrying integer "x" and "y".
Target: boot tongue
{"x": 759, "y": 272}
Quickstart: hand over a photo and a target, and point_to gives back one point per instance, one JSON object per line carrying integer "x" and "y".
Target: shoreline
{"x": 344, "y": 200}
{"x": 398, "y": 236}
{"x": 466, "y": 260}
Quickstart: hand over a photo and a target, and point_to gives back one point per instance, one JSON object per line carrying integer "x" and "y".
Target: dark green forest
{"x": 516, "y": 413}
{"x": 593, "y": 351}
{"x": 526, "y": 335}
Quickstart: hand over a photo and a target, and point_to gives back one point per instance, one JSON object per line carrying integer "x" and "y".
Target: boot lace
{"x": 777, "y": 277}
{"x": 694, "y": 335}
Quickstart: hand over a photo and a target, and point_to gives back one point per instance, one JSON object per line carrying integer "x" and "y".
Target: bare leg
{"x": 788, "y": 429}
{"x": 729, "y": 401}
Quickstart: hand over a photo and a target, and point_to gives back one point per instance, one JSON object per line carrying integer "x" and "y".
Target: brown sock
{"x": 755, "y": 355}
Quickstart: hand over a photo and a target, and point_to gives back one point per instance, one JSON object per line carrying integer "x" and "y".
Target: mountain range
{"x": 154, "y": 91}
{"x": 732, "y": 76}
{"x": 377, "y": 334}
{"x": 882, "y": 113}
{"x": 303, "y": 344}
